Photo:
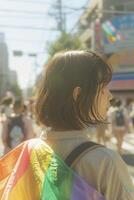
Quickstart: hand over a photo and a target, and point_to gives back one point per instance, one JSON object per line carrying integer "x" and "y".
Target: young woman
{"x": 73, "y": 96}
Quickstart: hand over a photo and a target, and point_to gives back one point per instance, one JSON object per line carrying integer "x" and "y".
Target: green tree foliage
{"x": 16, "y": 90}
{"x": 66, "y": 41}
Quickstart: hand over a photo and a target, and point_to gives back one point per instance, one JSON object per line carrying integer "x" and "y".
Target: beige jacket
{"x": 102, "y": 168}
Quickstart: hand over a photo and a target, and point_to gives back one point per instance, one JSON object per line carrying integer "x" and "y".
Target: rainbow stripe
{"x": 32, "y": 171}
{"x": 110, "y": 31}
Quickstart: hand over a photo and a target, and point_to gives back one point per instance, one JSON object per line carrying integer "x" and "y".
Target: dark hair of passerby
{"x": 129, "y": 101}
{"x": 18, "y": 105}
{"x": 6, "y": 101}
{"x": 24, "y": 108}
{"x": 118, "y": 103}
{"x": 56, "y": 106}
{"x": 113, "y": 102}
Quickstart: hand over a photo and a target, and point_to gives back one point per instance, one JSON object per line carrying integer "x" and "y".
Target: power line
{"x": 75, "y": 25}
{"x": 85, "y": 8}
{"x": 27, "y": 27}
{"x": 33, "y": 2}
{"x": 74, "y": 9}
{"x": 24, "y": 40}
{"x": 48, "y": 3}
{"x": 33, "y": 13}
{"x": 22, "y": 12}
{"x": 107, "y": 11}
{"x": 59, "y": 6}
{"x": 21, "y": 16}
{"x": 110, "y": 11}
{"x": 60, "y": 15}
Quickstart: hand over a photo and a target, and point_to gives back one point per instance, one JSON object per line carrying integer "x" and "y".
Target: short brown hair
{"x": 18, "y": 103}
{"x": 55, "y": 106}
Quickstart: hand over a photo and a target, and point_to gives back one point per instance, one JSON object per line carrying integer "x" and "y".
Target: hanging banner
{"x": 118, "y": 33}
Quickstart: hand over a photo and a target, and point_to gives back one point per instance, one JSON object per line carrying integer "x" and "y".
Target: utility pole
{"x": 59, "y": 15}
{"x": 59, "y": 5}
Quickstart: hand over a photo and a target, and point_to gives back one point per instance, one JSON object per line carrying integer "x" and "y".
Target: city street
{"x": 128, "y": 147}
{"x": 66, "y": 83}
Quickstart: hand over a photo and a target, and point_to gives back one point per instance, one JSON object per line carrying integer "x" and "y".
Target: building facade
{"x": 108, "y": 26}
{"x": 8, "y": 78}
{"x": 4, "y": 69}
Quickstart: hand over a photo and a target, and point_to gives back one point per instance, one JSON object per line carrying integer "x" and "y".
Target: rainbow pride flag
{"x": 111, "y": 32}
{"x": 32, "y": 171}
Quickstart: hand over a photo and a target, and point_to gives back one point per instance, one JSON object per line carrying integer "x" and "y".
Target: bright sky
{"x": 16, "y": 16}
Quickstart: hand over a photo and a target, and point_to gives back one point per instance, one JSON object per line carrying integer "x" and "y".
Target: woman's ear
{"x": 103, "y": 90}
{"x": 76, "y": 92}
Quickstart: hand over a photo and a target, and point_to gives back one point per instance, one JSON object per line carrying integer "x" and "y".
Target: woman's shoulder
{"x": 102, "y": 155}
{"x": 106, "y": 163}
{"x": 109, "y": 165}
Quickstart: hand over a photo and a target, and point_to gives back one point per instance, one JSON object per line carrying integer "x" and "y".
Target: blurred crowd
{"x": 120, "y": 122}
{"x": 17, "y": 121}
{"x": 19, "y": 124}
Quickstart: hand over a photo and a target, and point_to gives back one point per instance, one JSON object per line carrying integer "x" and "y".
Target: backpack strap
{"x": 79, "y": 150}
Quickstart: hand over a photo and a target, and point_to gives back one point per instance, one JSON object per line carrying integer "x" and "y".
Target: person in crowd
{"x": 25, "y": 109}
{"x": 6, "y": 107}
{"x": 31, "y": 107}
{"x": 130, "y": 110}
{"x": 74, "y": 95}
{"x": 17, "y": 127}
{"x": 120, "y": 124}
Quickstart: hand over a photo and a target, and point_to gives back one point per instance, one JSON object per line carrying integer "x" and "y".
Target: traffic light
{"x": 17, "y": 53}
{"x": 21, "y": 53}
{"x": 32, "y": 54}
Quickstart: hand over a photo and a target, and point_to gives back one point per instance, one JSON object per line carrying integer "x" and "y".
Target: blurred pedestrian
{"x": 120, "y": 124}
{"x": 17, "y": 127}
{"x": 130, "y": 110}
{"x": 6, "y": 107}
